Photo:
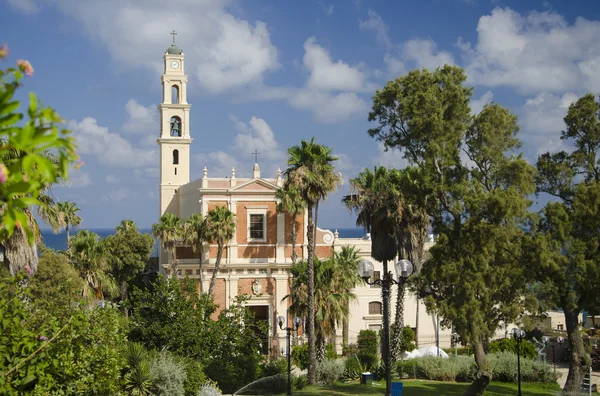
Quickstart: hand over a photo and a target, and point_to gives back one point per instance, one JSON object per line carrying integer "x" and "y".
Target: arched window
{"x": 374, "y": 308}
{"x": 175, "y": 94}
{"x": 175, "y": 157}
{"x": 175, "y": 126}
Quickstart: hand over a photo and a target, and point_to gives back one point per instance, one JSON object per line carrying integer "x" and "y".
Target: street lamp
{"x": 404, "y": 269}
{"x": 518, "y": 335}
{"x": 288, "y": 331}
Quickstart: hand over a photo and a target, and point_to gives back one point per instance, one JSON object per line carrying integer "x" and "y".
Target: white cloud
{"x": 110, "y": 149}
{"x": 538, "y": 52}
{"x": 328, "y": 107}
{"x": 327, "y": 9}
{"x": 77, "y": 179}
{"x": 224, "y": 52}
{"x": 377, "y": 25}
{"x": 111, "y": 179}
{"x": 257, "y": 134}
{"x": 545, "y": 112}
{"x": 328, "y": 75}
{"x": 218, "y": 162}
{"x": 116, "y": 195}
{"x": 477, "y": 104}
{"x": 392, "y": 158}
{"x": 26, "y": 6}
{"x": 140, "y": 118}
{"x": 417, "y": 54}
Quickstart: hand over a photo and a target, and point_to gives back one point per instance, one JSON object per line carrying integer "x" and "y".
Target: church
{"x": 257, "y": 260}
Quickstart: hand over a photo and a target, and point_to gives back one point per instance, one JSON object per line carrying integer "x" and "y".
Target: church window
{"x": 256, "y": 226}
{"x": 175, "y": 126}
{"x": 175, "y": 157}
{"x": 175, "y": 94}
{"x": 376, "y": 276}
{"x": 375, "y": 308}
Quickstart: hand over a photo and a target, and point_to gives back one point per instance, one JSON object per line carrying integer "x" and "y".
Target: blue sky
{"x": 264, "y": 74}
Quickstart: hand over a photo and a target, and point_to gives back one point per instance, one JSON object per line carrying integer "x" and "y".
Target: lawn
{"x": 416, "y": 387}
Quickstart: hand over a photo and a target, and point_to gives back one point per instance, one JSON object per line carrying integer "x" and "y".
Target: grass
{"x": 417, "y": 387}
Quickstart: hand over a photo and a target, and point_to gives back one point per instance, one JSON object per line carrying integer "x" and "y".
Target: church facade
{"x": 257, "y": 260}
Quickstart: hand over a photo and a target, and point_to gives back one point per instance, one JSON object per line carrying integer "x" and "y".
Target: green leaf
{"x": 9, "y": 108}
{"x": 10, "y": 119}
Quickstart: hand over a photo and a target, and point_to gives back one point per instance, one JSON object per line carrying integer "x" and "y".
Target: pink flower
{"x": 28, "y": 270}
{"x": 3, "y": 51}
{"x": 43, "y": 338}
{"x": 3, "y": 174}
{"x": 25, "y": 67}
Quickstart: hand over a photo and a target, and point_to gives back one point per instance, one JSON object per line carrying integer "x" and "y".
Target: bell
{"x": 175, "y": 131}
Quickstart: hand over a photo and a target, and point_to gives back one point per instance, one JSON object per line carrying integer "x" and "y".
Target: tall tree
{"x": 311, "y": 170}
{"x": 345, "y": 279}
{"x": 290, "y": 201}
{"x": 564, "y": 245}
{"x": 220, "y": 228}
{"x": 195, "y": 235}
{"x": 128, "y": 252}
{"x": 89, "y": 257}
{"x": 70, "y": 219}
{"x": 474, "y": 279}
{"x": 169, "y": 230}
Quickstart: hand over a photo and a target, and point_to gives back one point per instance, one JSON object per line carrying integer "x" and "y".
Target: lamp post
{"x": 518, "y": 335}
{"x": 404, "y": 269}
{"x": 288, "y": 331}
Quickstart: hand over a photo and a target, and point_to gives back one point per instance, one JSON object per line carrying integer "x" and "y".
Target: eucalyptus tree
{"x": 475, "y": 277}
{"x": 67, "y": 211}
{"x": 194, "y": 234}
{"x": 564, "y": 245}
{"x": 220, "y": 228}
{"x": 290, "y": 201}
{"x": 169, "y": 230}
{"x": 311, "y": 170}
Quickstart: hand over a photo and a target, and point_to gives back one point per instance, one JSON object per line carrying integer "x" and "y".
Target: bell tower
{"x": 174, "y": 140}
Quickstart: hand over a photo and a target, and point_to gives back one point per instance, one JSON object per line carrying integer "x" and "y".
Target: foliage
{"x": 406, "y": 339}
{"x": 300, "y": 356}
{"x": 68, "y": 217}
{"x": 25, "y": 140}
{"x": 353, "y": 368}
{"x": 194, "y": 234}
{"x": 89, "y": 257}
{"x": 169, "y": 230}
{"x": 510, "y": 345}
{"x": 330, "y": 352}
{"x": 273, "y": 366}
{"x": 138, "y": 376}
{"x": 463, "y": 369}
{"x": 300, "y": 382}
{"x": 330, "y": 371}
{"x": 290, "y": 202}
{"x": 208, "y": 389}
{"x": 367, "y": 349}
{"x": 479, "y": 209}
{"x": 194, "y": 377}
{"x": 595, "y": 357}
{"x": 169, "y": 375}
{"x": 275, "y": 384}
{"x": 219, "y": 229}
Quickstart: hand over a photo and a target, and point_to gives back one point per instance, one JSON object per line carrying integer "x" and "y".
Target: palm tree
{"x": 220, "y": 228}
{"x": 88, "y": 256}
{"x": 169, "y": 230}
{"x": 311, "y": 171}
{"x": 290, "y": 202}
{"x": 194, "y": 235}
{"x": 68, "y": 212}
{"x": 346, "y": 278}
{"x": 126, "y": 225}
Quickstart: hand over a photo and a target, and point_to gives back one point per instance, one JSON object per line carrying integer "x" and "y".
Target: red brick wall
{"x": 219, "y": 296}
{"x": 212, "y": 252}
{"x": 256, "y": 251}
{"x": 299, "y": 229}
{"x": 242, "y": 221}
{"x": 186, "y": 253}
{"x": 214, "y": 204}
{"x": 324, "y": 251}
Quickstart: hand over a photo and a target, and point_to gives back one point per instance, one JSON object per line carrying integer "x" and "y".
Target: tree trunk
{"x": 396, "y": 344}
{"x": 345, "y": 333}
{"x": 67, "y": 232}
{"x": 579, "y": 358}
{"x": 484, "y": 372}
{"x": 310, "y": 320}
{"x": 294, "y": 237}
{"x": 200, "y": 254}
{"x": 174, "y": 263}
{"x": 216, "y": 270}
{"x": 124, "y": 299}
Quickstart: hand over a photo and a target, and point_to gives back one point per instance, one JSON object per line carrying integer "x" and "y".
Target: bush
{"x": 510, "y": 345}
{"x": 300, "y": 382}
{"x": 352, "y": 368}
{"x": 367, "y": 342}
{"x": 330, "y": 353}
{"x": 463, "y": 369}
{"x": 169, "y": 375}
{"x": 195, "y": 376}
{"x": 462, "y": 351}
{"x": 273, "y": 366}
{"x": 330, "y": 371}
{"x": 208, "y": 388}
{"x": 300, "y": 356}
{"x": 595, "y": 355}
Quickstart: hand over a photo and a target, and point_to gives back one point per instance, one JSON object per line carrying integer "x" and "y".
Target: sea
{"x": 59, "y": 241}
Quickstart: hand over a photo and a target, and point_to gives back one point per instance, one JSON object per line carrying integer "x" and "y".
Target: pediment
{"x": 255, "y": 185}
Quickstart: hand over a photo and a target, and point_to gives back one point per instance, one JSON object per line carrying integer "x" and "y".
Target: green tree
{"x": 564, "y": 245}
{"x": 311, "y": 170}
{"x": 89, "y": 257}
{"x": 475, "y": 277}
{"x": 169, "y": 230}
{"x": 345, "y": 279}
{"x": 69, "y": 218}
{"x": 194, "y": 234}
{"x": 290, "y": 202}
{"x": 220, "y": 228}
{"x": 128, "y": 252}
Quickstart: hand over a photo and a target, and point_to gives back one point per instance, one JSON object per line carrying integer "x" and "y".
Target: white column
{"x": 233, "y": 250}
{"x": 281, "y": 306}
{"x": 280, "y": 253}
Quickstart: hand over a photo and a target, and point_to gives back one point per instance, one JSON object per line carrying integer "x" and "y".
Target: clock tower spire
{"x": 174, "y": 140}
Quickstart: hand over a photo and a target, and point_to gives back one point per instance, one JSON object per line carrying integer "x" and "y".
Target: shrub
{"x": 273, "y": 366}
{"x": 504, "y": 365}
{"x": 195, "y": 376}
{"x": 349, "y": 350}
{"x": 352, "y": 368}
{"x": 208, "y": 388}
{"x": 330, "y": 353}
{"x": 329, "y": 371}
{"x": 510, "y": 345}
{"x": 300, "y": 356}
{"x": 367, "y": 342}
{"x": 300, "y": 382}
{"x": 595, "y": 355}
{"x": 169, "y": 375}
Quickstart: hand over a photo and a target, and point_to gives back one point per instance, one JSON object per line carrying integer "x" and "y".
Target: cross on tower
{"x": 173, "y": 34}
{"x": 256, "y": 153}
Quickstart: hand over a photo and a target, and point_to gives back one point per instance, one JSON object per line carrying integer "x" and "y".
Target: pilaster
{"x": 280, "y": 252}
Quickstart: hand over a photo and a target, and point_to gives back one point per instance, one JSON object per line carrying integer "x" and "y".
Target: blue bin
{"x": 397, "y": 388}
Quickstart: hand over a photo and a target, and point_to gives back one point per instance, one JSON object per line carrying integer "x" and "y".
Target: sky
{"x": 266, "y": 74}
